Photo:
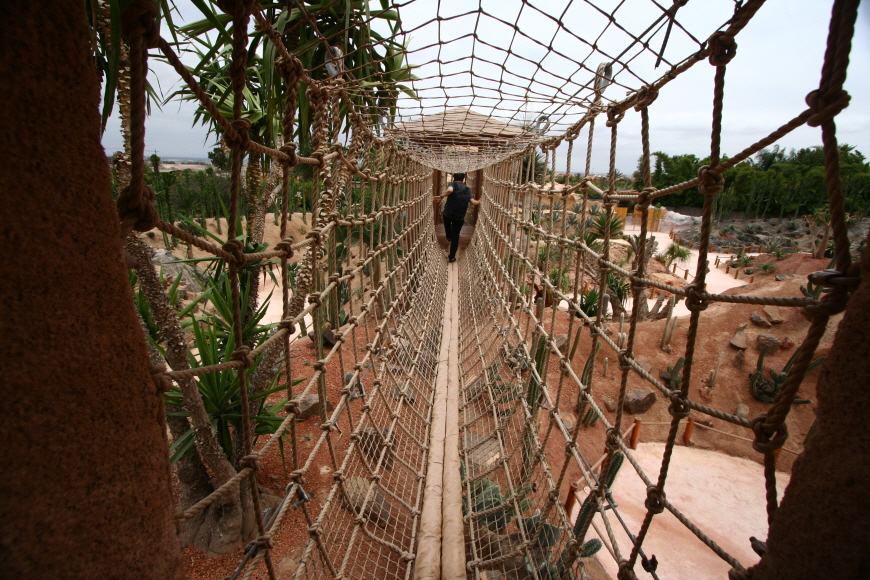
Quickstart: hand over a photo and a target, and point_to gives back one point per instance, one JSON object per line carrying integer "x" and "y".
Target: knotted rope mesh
{"x": 377, "y": 186}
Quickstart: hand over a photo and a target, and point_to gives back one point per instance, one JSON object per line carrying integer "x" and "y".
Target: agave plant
{"x": 766, "y": 390}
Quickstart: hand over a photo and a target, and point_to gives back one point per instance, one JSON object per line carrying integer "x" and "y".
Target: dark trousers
{"x": 452, "y": 228}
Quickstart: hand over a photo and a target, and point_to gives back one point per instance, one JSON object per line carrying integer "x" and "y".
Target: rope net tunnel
{"x": 430, "y": 356}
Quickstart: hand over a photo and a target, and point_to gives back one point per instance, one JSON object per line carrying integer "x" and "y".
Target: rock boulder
{"x": 638, "y": 401}
{"x": 309, "y": 406}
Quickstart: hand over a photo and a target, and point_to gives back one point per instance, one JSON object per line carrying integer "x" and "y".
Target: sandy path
{"x": 717, "y": 281}
{"x": 722, "y": 495}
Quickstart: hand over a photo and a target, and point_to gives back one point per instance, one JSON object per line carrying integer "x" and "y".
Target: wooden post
{"x": 751, "y": 279}
{"x": 736, "y": 271}
{"x": 571, "y": 500}
{"x": 727, "y": 268}
{"x": 675, "y": 269}
{"x": 686, "y": 275}
{"x": 478, "y": 191}
{"x": 635, "y": 433}
{"x": 436, "y": 190}
{"x": 687, "y": 434}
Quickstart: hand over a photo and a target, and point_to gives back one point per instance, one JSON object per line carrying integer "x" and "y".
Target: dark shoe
{"x": 451, "y": 260}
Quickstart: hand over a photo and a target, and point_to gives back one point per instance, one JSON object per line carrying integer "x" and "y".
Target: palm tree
{"x": 676, "y": 254}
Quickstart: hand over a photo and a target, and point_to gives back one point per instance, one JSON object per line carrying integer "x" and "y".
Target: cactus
{"x": 586, "y": 513}
{"x": 590, "y": 418}
{"x": 613, "y": 470}
{"x": 590, "y": 548}
{"x": 766, "y": 390}
{"x": 587, "y": 368}
{"x": 676, "y": 380}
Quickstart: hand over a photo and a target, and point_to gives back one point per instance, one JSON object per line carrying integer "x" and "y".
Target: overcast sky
{"x": 778, "y": 62}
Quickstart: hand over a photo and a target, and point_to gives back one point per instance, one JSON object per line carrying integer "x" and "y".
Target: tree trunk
{"x": 226, "y": 524}
{"x": 84, "y": 434}
{"x": 822, "y": 246}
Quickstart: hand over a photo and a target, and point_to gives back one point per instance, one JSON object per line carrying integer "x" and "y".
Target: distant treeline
{"x": 776, "y": 183}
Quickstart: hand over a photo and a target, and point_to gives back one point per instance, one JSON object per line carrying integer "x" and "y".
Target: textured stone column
{"x": 85, "y": 488}
{"x": 822, "y": 527}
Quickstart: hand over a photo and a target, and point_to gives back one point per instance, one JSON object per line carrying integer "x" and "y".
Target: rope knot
{"x": 287, "y": 325}
{"x": 654, "y": 499}
{"x": 643, "y": 200}
{"x": 314, "y": 298}
{"x": 265, "y": 541}
{"x": 625, "y": 571}
{"x": 677, "y": 408}
{"x": 694, "y": 301}
{"x": 238, "y": 138}
{"x": 236, "y": 8}
{"x": 722, "y": 48}
{"x": 612, "y": 440}
{"x": 318, "y": 155}
{"x": 825, "y": 107}
{"x": 243, "y": 355}
{"x": 292, "y": 406}
{"x": 646, "y": 96}
{"x": 614, "y": 116}
{"x": 252, "y": 461}
{"x": 712, "y": 181}
{"x": 161, "y": 381}
{"x": 140, "y": 17}
{"x": 289, "y": 149}
{"x": 735, "y": 574}
{"x": 136, "y": 209}
{"x": 290, "y": 70}
{"x": 314, "y": 235}
{"x": 286, "y": 246}
{"x": 237, "y": 249}
{"x": 623, "y": 358}
{"x": 768, "y": 438}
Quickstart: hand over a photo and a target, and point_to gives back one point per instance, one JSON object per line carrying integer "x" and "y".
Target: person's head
{"x": 458, "y": 177}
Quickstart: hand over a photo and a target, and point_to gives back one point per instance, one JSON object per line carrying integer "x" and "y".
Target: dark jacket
{"x": 457, "y": 202}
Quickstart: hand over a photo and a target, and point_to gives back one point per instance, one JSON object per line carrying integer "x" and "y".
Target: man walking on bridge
{"x": 458, "y": 197}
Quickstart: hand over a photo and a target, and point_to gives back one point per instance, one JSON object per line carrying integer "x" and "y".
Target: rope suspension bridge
{"x": 438, "y": 440}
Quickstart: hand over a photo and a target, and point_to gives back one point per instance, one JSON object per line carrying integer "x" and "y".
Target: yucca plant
{"x": 220, "y": 394}
{"x": 601, "y": 222}
{"x": 619, "y": 287}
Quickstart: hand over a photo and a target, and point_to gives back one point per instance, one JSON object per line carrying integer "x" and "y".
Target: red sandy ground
{"x": 717, "y": 326}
